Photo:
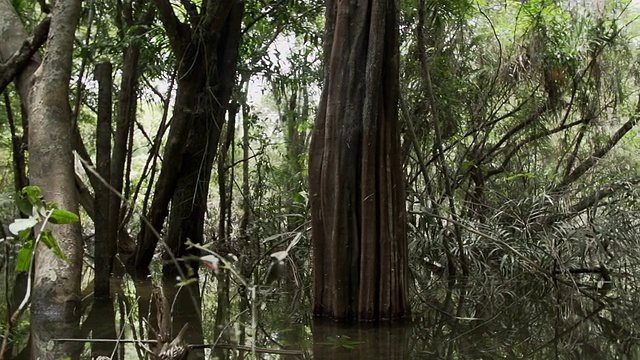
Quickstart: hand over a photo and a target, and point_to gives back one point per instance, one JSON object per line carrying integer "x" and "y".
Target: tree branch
{"x": 600, "y": 153}
{"x": 215, "y": 13}
{"x": 20, "y": 60}
{"x": 528, "y": 140}
{"x": 177, "y": 31}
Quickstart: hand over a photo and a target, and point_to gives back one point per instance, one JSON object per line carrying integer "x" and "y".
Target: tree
{"x": 356, "y": 183}
{"x": 56, "y": 283}
{"x": 206, "y": 50}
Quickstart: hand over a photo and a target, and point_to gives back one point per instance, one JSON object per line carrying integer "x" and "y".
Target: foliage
{"x": 514, "y": 177}
{"x": 32, "y": 228}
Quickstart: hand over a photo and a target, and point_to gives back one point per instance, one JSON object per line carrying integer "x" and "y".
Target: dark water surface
{"x": 526, "y": 319}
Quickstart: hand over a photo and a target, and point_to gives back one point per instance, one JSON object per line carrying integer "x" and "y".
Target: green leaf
{"x": 51, "y": 205}
{"x": 24, "y": 257}
{"x": 62, "y": 217}
{"x": 521, "y": 175}
{"x": 26, "y": 235}
{"x": 23, "y": 204}
{"x": 47, "y": 238}
{"x": 297, "y": 197}
{"x": 468, "y": 164}
{"x": 187, "y": 282}
{"x": 22, "y": 224}
{"x": 33, "y": 194}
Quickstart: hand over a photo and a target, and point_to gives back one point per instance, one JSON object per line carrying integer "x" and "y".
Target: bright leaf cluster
{"x": 30, "y": 203}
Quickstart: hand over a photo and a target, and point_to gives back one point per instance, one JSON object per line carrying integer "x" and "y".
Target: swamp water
{"x": 527, "y": 318}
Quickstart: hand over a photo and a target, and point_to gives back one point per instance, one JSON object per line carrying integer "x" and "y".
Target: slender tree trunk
{"x": 105, "y": 238}
{"x": 189, "y": 204}
{"x": 56, "y": 289}
{"x": 356, "y": 183}
{"x": 169, "y": 173}
{"x": 18, "y": 148}
{"x": 296, "y": 145}
{"x": 126, "y": 112}
{"x": 197, "y": 122}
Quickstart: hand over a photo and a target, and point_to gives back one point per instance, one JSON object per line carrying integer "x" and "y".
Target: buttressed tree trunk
{"x": 356, "y": 183}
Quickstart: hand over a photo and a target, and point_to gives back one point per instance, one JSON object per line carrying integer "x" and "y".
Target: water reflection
{"x": 529, "y": 319}
{"x": 361, "y": 341}
{"x": 101, "y": 324}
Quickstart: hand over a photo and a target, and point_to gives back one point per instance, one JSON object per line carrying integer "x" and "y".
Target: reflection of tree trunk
{"x": 336, "y": 342}
{"x": 221, "y": 331}
{"x": 167, "y": 309}
{"x": 355, "y": 176}
{"x": 147, "y": 308}
{"x": 102, "y": 322}
{"x": 298, "y": 320}
{"x": 186, "y": 309}
{"x": 244, "y": 310}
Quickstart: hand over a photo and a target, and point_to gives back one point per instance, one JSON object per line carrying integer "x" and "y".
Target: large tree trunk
{"x": 356, "y": 183}
{"x": 189, "y": 203}
{"x": 56, "y": 288}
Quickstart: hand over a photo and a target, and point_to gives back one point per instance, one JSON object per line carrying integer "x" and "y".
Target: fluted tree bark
{"x": 356, "y": 183}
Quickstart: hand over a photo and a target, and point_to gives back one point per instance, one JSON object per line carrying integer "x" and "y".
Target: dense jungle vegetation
{"x": 180, "y": 133}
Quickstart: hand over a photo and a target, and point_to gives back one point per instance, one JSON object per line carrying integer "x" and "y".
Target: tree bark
{"x": 21, "y": 59}
{"x": 207, "y": 77}
{"x": 127, "y": 105}
{"x": 56, "y": 288}
{"x": 12, "y": 37}
{"x": 105, "y": 238}
{"x": 356, "y": 184}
